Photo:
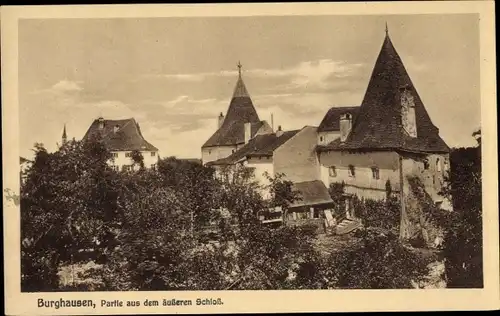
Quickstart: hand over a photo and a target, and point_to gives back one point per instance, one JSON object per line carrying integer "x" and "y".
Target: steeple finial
{"x": 64, "y": 135}
{"x": 386, "y": 29}
{"x": 239, "y": 68}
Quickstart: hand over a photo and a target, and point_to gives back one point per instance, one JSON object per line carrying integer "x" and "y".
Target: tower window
{"x": 438, "y": 165}
{"x": 332, "y": 171}
{"x": 426, "y": 164}
{"x": 375, "y": 173}
{"x": 153, "y": 154}
{"x": 321, "y": 138}
{"x": 351, "y": 171}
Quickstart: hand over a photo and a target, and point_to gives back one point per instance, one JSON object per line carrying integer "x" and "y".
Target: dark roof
{"x": 127, "y": 137}
{"x": 311, "y": 193}
{"x": 378, "y": 123}
{"x": 331, "y": 121}
{"x": 240, "y": 111}
{"x": 260, "y": 145}
{"x": 23, "y": 160}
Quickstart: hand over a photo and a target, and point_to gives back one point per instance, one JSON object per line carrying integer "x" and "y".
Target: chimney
{"x": 220, "y": 120}
{"x": 279, "y": 131}
{"x": 345, "y": 126}
{"x": 272, "y": 122}
{"x": 116, "y": 128}
{"x": 101, "y": 122}
{"x": 248, "y": 132}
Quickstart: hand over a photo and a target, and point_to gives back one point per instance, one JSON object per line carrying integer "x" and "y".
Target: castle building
{"x": 389, "y": 142}
{"x": 121, "y": 138}
{"x": 234, "y": 130}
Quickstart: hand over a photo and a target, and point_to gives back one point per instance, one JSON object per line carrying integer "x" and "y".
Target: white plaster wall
{"x": 214, "y": 153}
{"x": 324, "y": 138}
{"x": 362, "y": 184}
{"x": 121, "y": 160}
{"x": 261, "y": 166}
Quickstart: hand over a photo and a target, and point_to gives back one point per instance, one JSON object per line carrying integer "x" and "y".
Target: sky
{"x": 175, "y": 75}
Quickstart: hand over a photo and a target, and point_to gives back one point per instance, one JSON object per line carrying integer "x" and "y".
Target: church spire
{"x": 386, "y": 29}
{"x": 240, "y": 90}
{"x": 64, "y": 135}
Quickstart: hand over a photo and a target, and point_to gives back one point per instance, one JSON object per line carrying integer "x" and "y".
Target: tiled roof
{"x": 240, "y": 111}
{"x": 127, "y": 136}
{"x": 378, "y": 124}
{"x": 260, "y": 145}
{"x": 331, "y": 121}
{"x": 311, "y": 193}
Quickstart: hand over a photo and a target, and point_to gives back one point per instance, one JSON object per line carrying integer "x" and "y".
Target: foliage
{"x": 281, "y": 191}
{"x": 145, "y": 228}
{"x": 380, "y": 261}
{"x": 463, "y": 240}
{"x": 137, "y": 159}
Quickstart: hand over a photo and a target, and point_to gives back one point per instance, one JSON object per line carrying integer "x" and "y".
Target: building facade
{"x": 122, "y": 138}
{"x": 389, "y": 143}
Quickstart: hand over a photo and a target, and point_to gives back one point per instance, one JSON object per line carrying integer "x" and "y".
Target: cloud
{"x": 304, "y": 74}
{"x": 65, "y": 85}
{"x": 61, "y": 87}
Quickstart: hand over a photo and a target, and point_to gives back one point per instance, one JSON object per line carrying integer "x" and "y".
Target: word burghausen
{"x": 65, "y": 303}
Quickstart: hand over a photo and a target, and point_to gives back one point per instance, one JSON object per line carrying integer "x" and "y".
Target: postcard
{"x": 235, "y": 158}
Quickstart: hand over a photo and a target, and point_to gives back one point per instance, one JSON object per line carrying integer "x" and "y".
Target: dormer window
{"x": 408, "y": 111}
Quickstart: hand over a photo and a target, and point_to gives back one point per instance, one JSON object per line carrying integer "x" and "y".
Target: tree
{"x": 379, "y": 261}
{"x": 137, "y": 159}
{"x": 67, "y": 204}
{"x": 463, "y": 241}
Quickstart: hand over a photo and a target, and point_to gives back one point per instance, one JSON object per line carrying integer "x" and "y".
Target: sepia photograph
{"x": 247, "y": 153}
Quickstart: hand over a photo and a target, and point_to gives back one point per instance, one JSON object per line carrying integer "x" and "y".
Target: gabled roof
{"x": 259, "y": 146}
{"x": 127, "y": 136}
{"x": 240, "y": 111}
{"x": 378, "y": 124}
{"x": 311, "y": 193}
{"x": 331, "y": 121}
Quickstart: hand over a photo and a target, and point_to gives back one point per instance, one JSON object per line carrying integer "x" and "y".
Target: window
{"x": 128, "y": 154}
{"x": 438, "y": 165}
{"x": 209, "y": 152}
{"x": 332, "y": 171}
{"x": 321, "y": 138}
{"x": 351, "y": 171}
{"x": 153, "y": 166}
{"x": 426, "y": 164}
{"x": 232, "y": 151}
{"x": 115, "y": 155}
{"x": 127, "y": 168}
{"x": 153, "y": 154}
{"x": 115, "y": 168}
{"x": 375, "y": 173}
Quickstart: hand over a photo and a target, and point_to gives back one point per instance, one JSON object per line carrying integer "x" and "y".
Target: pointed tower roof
{"x": 64, "y": 136}
{"x": 378, "y": 124}
{"x": 240, "y": 111}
